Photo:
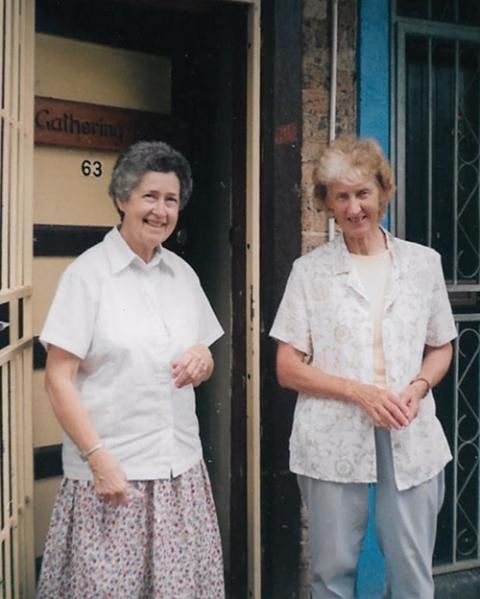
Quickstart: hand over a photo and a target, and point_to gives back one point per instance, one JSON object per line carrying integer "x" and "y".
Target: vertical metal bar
{"x": 455, "y": 162}
{"x": 2, "y": 58}
{"x": 393, "y": 122}
{"x": 14, "y": 128}
{"x": 455, "y": 444}
{"x": 25, "y": 242}
{"x": 478, "y": 191}
{"x": 430, "y": 143}
{"x": 333, "y": 72}
{"x": 333, "y": 95}
{"x": 16, "y": 439}
{"x": 6, "y": 403}
{"x": 5, "y": 153}
{"x": 401, "y": 132}
{"x": 478, "y": 472}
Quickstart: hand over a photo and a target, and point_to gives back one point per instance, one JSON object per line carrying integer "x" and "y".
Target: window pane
{"x": 412, "y": 8}
{"x": 416, "y": 135}
{"x": 443, "y": 10}
{"x": 469, "y": 12}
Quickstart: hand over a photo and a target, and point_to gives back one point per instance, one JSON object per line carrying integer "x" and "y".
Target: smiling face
{"x": 356, "y": 208}
{"x": 150, "y": 213}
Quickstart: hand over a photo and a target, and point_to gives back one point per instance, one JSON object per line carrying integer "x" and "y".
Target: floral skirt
{"x": 165, "y": 545}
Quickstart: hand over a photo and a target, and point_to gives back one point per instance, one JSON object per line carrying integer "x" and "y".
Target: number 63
{"x": 91, "y": 168}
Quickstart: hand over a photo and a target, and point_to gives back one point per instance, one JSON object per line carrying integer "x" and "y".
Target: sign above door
{"x": 92, "y": 126}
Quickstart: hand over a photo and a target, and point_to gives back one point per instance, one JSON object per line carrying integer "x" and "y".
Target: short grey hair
{"x": 143, "y": 157}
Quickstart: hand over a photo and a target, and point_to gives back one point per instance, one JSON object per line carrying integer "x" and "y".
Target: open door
{"x": 183, "y": 80}
{"x": 16, "y": 144}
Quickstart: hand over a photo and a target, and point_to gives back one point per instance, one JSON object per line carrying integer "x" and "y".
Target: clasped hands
{"x": 387, "y": 409}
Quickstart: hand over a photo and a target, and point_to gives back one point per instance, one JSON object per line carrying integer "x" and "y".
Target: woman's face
{"x": 355, "y": 206}
{"x": 151, "y": 212}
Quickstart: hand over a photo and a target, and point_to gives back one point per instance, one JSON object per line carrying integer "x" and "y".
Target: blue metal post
{"x": 373, "y": 121}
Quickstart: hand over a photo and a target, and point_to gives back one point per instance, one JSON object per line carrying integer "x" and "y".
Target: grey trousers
{"x": 406, "y": 524}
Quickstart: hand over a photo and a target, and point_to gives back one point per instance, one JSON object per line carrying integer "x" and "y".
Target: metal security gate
{"x": 437, "y": 151}
{"x": 16, "y": 145}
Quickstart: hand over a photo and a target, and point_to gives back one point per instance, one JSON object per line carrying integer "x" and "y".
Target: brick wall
{"x": 316, "y": 101}
{"x": 316, "y": 98}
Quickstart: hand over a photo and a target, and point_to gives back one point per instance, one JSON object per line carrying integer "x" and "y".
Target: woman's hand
{"x": 109, "y": 480}
{"x": 193, "y": 367}
{"x": 410, "y": 397}
{"x": 384, "y": 407}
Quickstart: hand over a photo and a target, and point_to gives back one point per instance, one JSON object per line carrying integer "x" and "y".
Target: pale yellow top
{"x": 373, "y": 272}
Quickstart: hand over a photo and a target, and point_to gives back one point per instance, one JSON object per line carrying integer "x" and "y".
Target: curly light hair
{"x": 350, "y": 159}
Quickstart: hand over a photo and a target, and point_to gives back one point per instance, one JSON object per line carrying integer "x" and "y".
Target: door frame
{"x": 248, "y": 410}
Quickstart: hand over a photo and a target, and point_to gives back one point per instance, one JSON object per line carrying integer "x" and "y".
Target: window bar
{"x": 401, "y": 109}
{"x": 7, "y": 531}
{"x": 455, "y": 165}
{"x": 15, "y": 470}
{"x": 455, "y": 444}
{"x": 2, "y": 32}
{"x": 478, "y": 471}
{"x": 478, "y": 185}
{"x": 430, "y": 141}
{"x": 15, "y": 129}
{"x": 6, "y": 146}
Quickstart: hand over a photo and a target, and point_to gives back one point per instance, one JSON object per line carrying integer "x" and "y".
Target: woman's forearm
{"x": 435, "y": 365}
{"x": 66, "y": 404}
{"x": 294, "y": 373}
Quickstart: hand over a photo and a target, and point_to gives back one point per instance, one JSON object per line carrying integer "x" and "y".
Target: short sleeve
{"x": 291, "y": 323}
{"x": 209, "y": 329}
{"x": 71, "y": 317}
{"x": 441, "y": 325}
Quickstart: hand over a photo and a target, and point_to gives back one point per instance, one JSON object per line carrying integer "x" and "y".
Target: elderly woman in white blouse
{"x": 364, "y": 333}
{"x": 127, "y": 337}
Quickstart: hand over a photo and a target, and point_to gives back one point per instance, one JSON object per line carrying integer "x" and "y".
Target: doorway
{"x": 184, "y": 70}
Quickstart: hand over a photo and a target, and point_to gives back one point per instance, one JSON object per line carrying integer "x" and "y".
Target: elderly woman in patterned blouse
{"x": 364, "y": 333}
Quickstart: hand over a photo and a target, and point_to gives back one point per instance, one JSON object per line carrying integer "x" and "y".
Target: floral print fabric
{"x": 325, "y": 313}
{"x": 165, "y": 545}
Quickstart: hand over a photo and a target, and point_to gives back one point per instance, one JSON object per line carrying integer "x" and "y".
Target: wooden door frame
{"x": 281, "y": 244}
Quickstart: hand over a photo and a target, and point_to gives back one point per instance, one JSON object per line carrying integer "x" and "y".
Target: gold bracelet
{"x": 84, "y": 455}
{"x": 421, "y": 378}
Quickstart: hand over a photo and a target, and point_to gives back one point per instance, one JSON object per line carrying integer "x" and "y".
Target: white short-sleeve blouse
{"x": 325, "y": 313}
{"x": 127, "y": 321}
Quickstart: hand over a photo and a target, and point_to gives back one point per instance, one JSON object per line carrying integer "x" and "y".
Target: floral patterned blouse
{"x": 325, "y": 314}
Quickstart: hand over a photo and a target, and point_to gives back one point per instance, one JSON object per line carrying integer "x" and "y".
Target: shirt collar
{"x": 343, "y": 260}
{"x": 120, "y": 255}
